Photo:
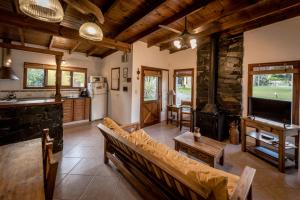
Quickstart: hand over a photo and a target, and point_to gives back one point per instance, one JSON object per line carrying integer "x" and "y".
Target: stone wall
{"x": 229, "y": 92}
{"x": 229, "y": 80}
{"x": 27, "y": 122}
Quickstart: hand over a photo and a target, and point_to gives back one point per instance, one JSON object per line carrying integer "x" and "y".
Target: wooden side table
{"x": 175, "y": 109}
{"x": 207, "y": 150}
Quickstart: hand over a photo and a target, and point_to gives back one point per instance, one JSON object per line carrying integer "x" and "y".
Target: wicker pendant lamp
{"x": 91, "y": 31}
{"x": 44, "y": 10}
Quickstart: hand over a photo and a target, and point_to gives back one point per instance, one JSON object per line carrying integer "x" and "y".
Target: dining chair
{"x": 186, "y": 114}
{"x": 50, "y": 165}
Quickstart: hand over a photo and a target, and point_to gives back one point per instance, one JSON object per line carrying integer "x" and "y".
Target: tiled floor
{"x": 82, "y": 174}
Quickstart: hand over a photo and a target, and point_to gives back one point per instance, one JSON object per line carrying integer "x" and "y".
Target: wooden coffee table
{"x": 207, "y": 150}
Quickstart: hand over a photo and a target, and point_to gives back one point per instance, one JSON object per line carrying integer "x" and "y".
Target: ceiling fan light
{"x": 193, "y": 43}
{"x": 177, "y": 44}
{"x": 91, "y": 31}
{"x": 44, "y": 10}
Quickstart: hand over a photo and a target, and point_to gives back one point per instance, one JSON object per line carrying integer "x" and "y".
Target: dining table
{"x": 21, "y": 171}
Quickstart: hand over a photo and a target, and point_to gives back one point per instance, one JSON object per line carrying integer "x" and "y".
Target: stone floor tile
{"x": 72, "y": 186}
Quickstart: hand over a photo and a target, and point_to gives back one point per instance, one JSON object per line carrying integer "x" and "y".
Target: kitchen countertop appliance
{"x": 98, "y": 91}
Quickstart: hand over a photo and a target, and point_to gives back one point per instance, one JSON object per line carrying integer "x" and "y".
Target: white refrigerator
{"x": 98, "y": 94}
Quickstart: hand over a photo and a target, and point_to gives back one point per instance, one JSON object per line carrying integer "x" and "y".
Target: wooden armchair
{"x": 186, "y": 114}
{"x": 50, "y": 165}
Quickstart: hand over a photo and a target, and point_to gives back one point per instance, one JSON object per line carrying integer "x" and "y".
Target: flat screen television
{"x": 275, "y": 110}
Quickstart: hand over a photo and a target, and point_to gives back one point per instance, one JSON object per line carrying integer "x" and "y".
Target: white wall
{"x": 149, "y": 57}
{"x": 273, "y": 43}
{"x": 119, "y": 102}
{"x": 92, "y": 64}
{"x": 182, "y": 60}
{"x": 153, "y": 57}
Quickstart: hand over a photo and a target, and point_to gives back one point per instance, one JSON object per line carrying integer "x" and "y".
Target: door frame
{"x": 174, "y": 82}
{"x": 142, "y": 91}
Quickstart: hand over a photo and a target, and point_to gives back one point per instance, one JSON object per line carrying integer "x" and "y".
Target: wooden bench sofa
{"x": 155, "y": 179}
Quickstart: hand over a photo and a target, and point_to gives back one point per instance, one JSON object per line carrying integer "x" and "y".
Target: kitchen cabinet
{"x": 68, "y": 110}
{"x": 76, "y": 109}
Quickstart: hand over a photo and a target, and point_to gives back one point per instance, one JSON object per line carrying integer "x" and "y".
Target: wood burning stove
{"x": 209, "y": 118}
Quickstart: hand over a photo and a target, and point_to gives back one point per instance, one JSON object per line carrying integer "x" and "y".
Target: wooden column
{"x": 58, "y": 60}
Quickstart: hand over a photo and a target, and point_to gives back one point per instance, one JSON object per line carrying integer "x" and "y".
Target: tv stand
{"x": 270, "y": 140}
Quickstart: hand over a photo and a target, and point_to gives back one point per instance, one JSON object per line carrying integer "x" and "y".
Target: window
{"x": 35, "y": 77}
{"x": 273, "y": 86}
{"x": 78, "y": 79}
{"x": 150, "y": 88}
{"x": 183, "y": 85}
{"x": 276, "y": 82}
{"x": 51, "y": 77}
{"x": 66, "y": 78}
{"x": 44, "y": 76}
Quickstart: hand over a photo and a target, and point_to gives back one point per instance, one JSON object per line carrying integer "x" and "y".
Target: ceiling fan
{"x": 185, "y": 40}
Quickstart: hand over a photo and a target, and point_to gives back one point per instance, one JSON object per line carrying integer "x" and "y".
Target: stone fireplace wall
{"x": 229, "y": 80}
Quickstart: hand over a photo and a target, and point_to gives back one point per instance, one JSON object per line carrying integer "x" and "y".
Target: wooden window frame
{"x": 174, "y": 82}
{"x": 296, "y": 82}
{"x": 47, "y": 67}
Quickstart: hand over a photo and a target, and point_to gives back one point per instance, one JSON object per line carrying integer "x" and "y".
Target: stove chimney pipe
{"x": 211, "y": 106}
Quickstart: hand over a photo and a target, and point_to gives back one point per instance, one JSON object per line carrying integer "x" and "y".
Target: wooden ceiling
{"x": 132, "y": 20}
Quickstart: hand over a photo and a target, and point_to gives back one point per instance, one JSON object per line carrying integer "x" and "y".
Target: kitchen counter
{"x": 34, "y": 101}
{"x": 24, "y": 119}
{"x": 28, "y": 102}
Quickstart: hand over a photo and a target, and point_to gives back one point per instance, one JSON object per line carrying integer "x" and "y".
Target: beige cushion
{"x": 221, "y": 184}
{"x": 111, "y": 124}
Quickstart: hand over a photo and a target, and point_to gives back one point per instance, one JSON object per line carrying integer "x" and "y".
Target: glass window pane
{"x": 35, "y": 77}
{"x": 51, "y": 79}
{"x": 78, "y": 79}
{"x": 66, "y": 78}
{"x": 273, "y": 86}
{"x": 150, "y": 88}
{"x": 183, "y": 89}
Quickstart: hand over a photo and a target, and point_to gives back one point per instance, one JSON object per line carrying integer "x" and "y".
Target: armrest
{"x": 131, "y": 127}
{"x": 244, "y": 185}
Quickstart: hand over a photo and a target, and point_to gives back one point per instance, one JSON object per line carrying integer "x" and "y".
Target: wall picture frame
{"x": 125, "y": 72}
{"x": 115, "y": 78}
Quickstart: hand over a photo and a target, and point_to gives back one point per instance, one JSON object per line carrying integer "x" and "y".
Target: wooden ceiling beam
{"x": 263, "y": 9}
{"x": 31, "y": 49}
{"x": 165, "y": 46}
{"x": 51, "y": 42}
{"x": 75, "y": 47}
{"x": 108, "y": 6}
{"x": 22, "y": 37}
{"x": 235, "y": 7}
{"x": 91, "y": 51}
{"x": 16, "y": 20}
{"x": 148, "y": 7}
{"x": 107, "y": 53}
{"x": 273, "y": 18}
{"x": 189, "y": 10}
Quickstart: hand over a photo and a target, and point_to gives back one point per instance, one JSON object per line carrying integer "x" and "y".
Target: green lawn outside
{"x": 183, "y": 90}
{"x": 283, "y": 93}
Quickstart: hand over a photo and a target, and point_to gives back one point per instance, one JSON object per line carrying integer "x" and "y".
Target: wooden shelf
{"x": 268, "y": 155}
{"x": 273, "y": 142}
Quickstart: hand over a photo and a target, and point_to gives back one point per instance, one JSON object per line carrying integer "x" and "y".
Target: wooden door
{"x": 150, "y": 96}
